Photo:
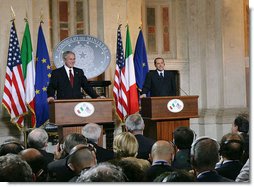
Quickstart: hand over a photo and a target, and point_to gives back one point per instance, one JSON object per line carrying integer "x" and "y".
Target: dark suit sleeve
{"x": 52, "y": 85}
{"x": 85, "y": 85}
{"x": 147, "y": 84}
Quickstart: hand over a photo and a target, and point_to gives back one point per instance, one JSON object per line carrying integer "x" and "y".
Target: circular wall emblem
{"x": 175, "y": 105}
{"x": 84, "y": 109}
{"x": 92, "y": 55}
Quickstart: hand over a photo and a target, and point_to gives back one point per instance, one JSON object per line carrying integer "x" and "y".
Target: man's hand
{"x": 58, "y": 152}
{"x": 101, "y": 97}
{"x": 143, "y": 96}
{"x": 50, "y": 99}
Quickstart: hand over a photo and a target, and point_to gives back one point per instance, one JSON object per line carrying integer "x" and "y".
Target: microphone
{"x": 183, "y": 91}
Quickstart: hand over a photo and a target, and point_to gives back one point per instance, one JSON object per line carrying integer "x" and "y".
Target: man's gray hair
{"x": 37, "y": 138}
{"x": 65, "y": 53}
{"x": 134, "y": 122}
{"x": 92, "y": 132}
{"x": 102, "y": 172}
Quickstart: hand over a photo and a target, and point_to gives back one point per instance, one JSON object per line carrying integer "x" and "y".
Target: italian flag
{"x": 131, "y": 87}
{"x": 28, "y": 67}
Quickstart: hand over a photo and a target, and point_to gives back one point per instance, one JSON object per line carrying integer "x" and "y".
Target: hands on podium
{"x": 142, "y": 96}
{"x": 101, "y": 97}
{"x": 50, "y": 99}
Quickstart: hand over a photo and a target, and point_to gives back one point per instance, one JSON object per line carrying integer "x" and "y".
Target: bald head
{"x": 29, "y": 154}
{"x": 34, "y": 158}
{"x": 162, "y": 150}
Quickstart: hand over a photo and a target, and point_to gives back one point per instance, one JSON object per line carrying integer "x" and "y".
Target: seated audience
{"x": 125, "y": 145}
{"x": 183, "y": 138}
{"x": 241, "y": 126}
{"x": 103, "y": 172}
{"x": 231, "y": 151}
{"x": 14, "y": 169}
{"x": 244, "y": 175}
{"x": 162, "y": 154}
{"x": 38, "y": 139}
{"x": 81, "y": 157}
{"x": 135, "y": 124}
{"x": 176, "y": 176}
{"x": 204, "y": 156}
{"x": 11, "y": 145}
{"x": 93, "y": 132}
{"x": 133, "y": 168}
{"x": 58, "y": 170}
{"x": 36, "y": 161}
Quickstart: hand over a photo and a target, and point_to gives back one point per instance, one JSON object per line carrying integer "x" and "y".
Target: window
{"x": 159, "y": 28}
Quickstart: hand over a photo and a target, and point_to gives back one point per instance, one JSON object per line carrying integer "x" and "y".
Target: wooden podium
{"x": 62, "y": 114}
{"x": 160, "y": 122}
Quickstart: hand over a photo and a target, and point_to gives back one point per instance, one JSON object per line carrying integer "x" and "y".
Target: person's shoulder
{"x": 77, "y": 69}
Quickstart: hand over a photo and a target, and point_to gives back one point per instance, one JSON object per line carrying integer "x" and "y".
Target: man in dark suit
{"x": 93, "y": 132}
{"x": 204, "y": 156}
{"x": 68, "y": 80}
{"x": 135, "y": 124}
{"x": 162, "y": 154}
{"x": 159, "y": 82}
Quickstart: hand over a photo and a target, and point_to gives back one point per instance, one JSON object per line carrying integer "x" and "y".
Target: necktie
{"x": 71, "y": 77}
{"x": 161, "y": 75}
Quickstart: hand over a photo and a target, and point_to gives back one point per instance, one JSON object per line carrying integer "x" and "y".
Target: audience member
{"x": 204, "y": 156}
{"x": 231, "y": 151}
{"x": 176, "y": 176}
{"x": 133, "y": 168}
{"x": 244, "y": 175}
{"x": 38, "y": 139}
{"x": 93, "y": 132}
{"x": 241, "y": 126}
{"x": 81, "y": 157}
{"x": 58, "y": 170}
{"x": 11, "y": 145}
{"x": 162, "y": 154}
{"x": 37, "y": 162}
{"x": 103, "y": 172}
{"x": 125, "y": 145}
{"x": 14, "y": 169}
{"x": 183, "y": 138}
{"x": 135, "y": 125}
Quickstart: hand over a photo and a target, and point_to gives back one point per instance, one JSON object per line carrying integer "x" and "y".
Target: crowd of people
{"x": 134, "y": 158}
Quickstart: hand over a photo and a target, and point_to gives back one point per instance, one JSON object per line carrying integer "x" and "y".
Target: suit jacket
{"x": 160, "y": 86}
{"x": 144, "y": 146}
{"x": 59, "y": 171}
{"x": 212, "y": 176}
{"x": 60, "y": 83}
{"x": 230, "y": 169}
{"x": 102, "y": 155}
{"x": 155, "y": 170}
{"x": 182, "y": 160}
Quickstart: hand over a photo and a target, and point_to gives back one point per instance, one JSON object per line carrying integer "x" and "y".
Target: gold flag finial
{"x": 41, "y": 16}
{"x": 12, "y": 14}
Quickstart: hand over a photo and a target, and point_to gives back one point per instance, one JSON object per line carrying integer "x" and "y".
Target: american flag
{"x": 14, "y": 91}
{"x": 119, "y": 90}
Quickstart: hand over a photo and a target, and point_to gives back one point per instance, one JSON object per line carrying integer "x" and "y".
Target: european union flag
{"x": 140, "y": 61}
{"x": 42, "y": 76}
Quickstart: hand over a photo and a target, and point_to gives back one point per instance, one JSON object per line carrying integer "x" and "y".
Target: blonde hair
{"x": 125, "y": 144}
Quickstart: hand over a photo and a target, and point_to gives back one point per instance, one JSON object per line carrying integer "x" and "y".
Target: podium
{"x": 161, "y": 121}
{"x": 62, "y": 114}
